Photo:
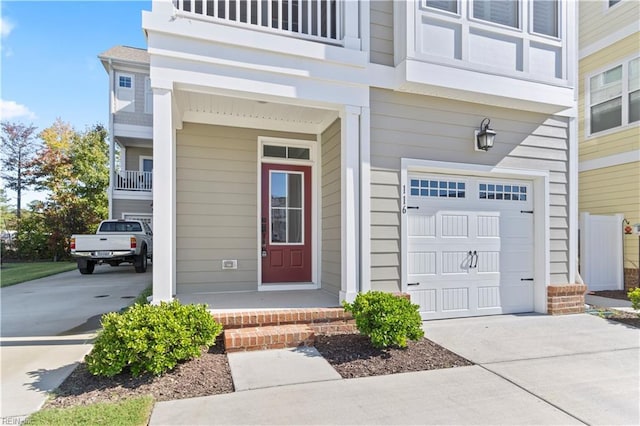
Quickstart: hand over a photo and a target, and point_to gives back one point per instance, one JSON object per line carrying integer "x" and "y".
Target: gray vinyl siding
{"x": 331, "y": 196}
{"x": 132, "y": 158}
{"x": 216, "y": 189}
{"x": 422, "y": 127}
{"x": 139, "y": 117}
{"x": 131, "y": 206}
{"x": 381, "y": 27}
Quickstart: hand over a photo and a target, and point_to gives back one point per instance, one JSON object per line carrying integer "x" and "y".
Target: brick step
{"x": 268, "y": 337}
{"x": 337, "y": 318}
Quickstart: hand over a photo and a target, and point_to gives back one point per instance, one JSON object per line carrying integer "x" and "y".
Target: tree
{"x": 18, "y": 148}
{"x": 73, "y": 167}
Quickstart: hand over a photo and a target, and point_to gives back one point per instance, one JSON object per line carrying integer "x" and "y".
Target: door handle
{"x": 475, "y": 253}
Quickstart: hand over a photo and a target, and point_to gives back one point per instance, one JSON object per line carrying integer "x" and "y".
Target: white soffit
{"x": 230, "y": 111}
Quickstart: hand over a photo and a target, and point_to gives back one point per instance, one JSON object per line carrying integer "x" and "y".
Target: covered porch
{"x": 217, "y": 158}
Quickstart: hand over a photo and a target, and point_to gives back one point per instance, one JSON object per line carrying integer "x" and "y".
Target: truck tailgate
{"x": 103, "y": 242}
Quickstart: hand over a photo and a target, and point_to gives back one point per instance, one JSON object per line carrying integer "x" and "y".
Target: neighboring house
{"x": 131, "y": 132}
{"x": 609, "y": 135}
{"x": 331, "y": 145}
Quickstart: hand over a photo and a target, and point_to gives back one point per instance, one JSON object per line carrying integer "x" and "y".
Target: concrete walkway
{"x": 532, "y": 369}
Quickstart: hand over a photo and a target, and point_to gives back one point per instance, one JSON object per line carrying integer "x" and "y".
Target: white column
{"x": 365, "y": 200}
{"x": 350, "y": 200}
{"x": 351, "y": 24}
{"x": 164, "y": 197}
{"x": 112, "y": 140}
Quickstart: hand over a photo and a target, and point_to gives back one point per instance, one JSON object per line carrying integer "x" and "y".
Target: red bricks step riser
{"x": 277, "y": 329}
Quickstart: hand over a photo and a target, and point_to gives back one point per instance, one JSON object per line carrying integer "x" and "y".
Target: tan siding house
{"x": 346, "y": 153}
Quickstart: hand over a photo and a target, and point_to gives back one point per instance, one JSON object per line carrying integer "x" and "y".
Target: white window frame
{"x": 120, "y": 104}
{"x": 624, "y": 95}
{"x": 141, "y": 161}
{"x": 287, "y": 208}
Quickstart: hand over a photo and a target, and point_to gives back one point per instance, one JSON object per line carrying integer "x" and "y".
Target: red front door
{"x": 286, "y": 223}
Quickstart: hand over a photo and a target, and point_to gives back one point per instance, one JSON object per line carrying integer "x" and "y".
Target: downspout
{"x": 112, "y": 151}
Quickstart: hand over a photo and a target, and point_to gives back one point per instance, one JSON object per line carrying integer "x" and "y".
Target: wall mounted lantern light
{"x": 484, "y": 137}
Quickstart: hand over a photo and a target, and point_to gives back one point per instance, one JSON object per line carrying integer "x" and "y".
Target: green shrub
{"x": 387, "y": 319}
{"x": 634, "y": 296}
{"x": 151, "y": 338}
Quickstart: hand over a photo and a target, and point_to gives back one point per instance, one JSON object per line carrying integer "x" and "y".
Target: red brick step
{"x": 268, "y": 337}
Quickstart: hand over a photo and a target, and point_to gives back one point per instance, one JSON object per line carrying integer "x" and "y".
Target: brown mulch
{"x": 612, "y": 294}
{"x": 207, "y": 375}
{"x": 627, "y": 318}
{"x": 352, "y": 355}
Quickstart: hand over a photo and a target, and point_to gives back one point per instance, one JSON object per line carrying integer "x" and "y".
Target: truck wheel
{"x": 86, "y": 266}
{"x": 141, "y": 261}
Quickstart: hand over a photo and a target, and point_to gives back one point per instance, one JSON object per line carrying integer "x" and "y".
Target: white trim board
{"x": 540, "y": 181}
{"x": 609, "y": 40}
{"x": 610, "y": 161}
{"x": 132, "y": 131}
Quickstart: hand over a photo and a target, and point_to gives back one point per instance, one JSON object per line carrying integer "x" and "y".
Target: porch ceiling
{"x": 257, "y": 114}
{"x": 137, "y": 142}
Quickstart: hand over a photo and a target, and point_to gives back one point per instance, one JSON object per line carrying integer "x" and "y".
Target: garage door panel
{"x": 466, "y": 255}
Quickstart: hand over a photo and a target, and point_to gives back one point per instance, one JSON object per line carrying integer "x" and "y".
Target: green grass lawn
{"x": 15, "y": 273}
{"x": 135, "y": 411}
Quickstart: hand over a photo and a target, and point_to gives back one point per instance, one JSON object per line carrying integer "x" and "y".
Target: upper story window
{"x": 125, "y": 92}
{"x": 613, "y": 2}
{"x": 503, "y": 12}
{"x": 614, "y": 97}
{"x": 545, "y": 17}
{"x": 446, "y": 5}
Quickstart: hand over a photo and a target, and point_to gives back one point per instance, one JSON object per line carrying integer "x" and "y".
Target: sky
{"x": 49, "y": 67}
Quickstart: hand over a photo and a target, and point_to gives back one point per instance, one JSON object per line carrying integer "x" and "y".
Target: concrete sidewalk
{"x": 34, "y": 366}
{"x": 532, "y": 369}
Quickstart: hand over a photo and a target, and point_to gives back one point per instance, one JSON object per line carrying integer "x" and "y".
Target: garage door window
{"x": 437, "y": 188}
{"x": 505, "y": 191}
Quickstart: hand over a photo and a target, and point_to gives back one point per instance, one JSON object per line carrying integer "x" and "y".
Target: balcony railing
{"x": 133, "y": 180}
{"x": 320, "y": 20}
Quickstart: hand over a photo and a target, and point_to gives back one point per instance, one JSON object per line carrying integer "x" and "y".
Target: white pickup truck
{"x": 115, "y": 242}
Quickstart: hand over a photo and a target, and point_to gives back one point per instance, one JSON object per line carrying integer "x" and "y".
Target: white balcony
{"x": 317, "y": 20}
{"x": 134, "y": 181}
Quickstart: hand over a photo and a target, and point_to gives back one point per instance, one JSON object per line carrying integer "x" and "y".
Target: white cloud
{"x": 6, "y": 26}
{"x": 11, "y": 109}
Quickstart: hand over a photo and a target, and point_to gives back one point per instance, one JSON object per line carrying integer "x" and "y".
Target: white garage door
{"x": 469, "y": 245}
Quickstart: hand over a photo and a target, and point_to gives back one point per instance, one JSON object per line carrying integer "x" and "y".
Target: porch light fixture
{"x": 484, "y": 137}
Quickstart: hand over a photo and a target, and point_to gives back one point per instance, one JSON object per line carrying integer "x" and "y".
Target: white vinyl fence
{"x": 601, "y": 261}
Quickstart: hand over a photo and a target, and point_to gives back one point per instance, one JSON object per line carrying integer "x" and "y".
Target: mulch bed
{"x": 613, "y": 294}
{"x": 352, "y": 355}
{"x": 208, "y": 375}
{"x": 627, "y": 318}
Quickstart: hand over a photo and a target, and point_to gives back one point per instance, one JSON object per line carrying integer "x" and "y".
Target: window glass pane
{"x": 614, "y": 2}
{"x": 448, "y": 5}
{"x": 278, "y": 190}
{"x": 275, "y": 151}
{"x": 278, "y": 225}
{"x": 545, "y": 17}
{"x": 606, "y": 85}
{"x": 503, "y": 12}
{"x": 606, "y": 115}
{"x": 295, "y": 190}
{"x": 295, "y": 226}
{"x": 634, "y": 75}
{"x": 634, "y": 106}
{"x": 125, "y": 81}
{"x": 298, "y": 153}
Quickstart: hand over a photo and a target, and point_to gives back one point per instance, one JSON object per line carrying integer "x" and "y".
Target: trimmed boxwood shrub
{"x": 151, "y": 338}
{"x": 388, "y": 320}
{"x": 634, "y": 297}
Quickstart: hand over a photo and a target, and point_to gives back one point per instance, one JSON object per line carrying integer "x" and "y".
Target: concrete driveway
{"x": 47, "y": 325}
{"x": 583, "y": 365}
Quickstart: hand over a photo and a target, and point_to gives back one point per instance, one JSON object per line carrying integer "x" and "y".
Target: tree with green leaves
{"x": 18, "y": 148}
{"x": 73, "y": 168}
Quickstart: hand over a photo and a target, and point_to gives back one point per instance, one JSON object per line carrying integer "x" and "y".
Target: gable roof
{"x": 132, "y": 55}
